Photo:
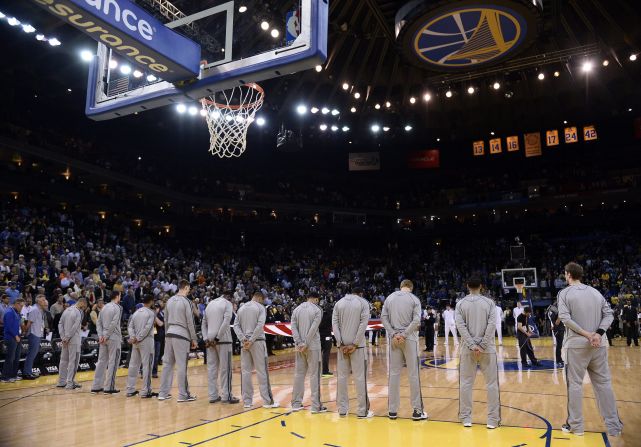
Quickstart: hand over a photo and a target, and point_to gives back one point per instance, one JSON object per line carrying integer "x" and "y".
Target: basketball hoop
{"x": 229, "y": 114}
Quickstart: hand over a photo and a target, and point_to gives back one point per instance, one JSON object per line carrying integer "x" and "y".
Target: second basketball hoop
{"x": 229, "y": 114}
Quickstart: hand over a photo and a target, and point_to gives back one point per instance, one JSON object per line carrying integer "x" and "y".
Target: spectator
{"x": 11, "y": 322}
{"x": 34, "y": 329}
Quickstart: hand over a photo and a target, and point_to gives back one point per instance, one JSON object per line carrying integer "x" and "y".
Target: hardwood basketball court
{"x": 532, "y": 409}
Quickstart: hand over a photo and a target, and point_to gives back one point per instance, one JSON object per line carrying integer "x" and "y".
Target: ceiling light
{"x": 86, "y": 55}
{"x": 630, "y": 109}
{"x": 15, "y": 22}
{"x": 557, "y": 74}
{"x": 345, "y": 86}
{"x": 260, "y": 121}
{"x": 334, "y": 128}
{"x": 54, "y": 42}
{"x": 40, "y": 37}
{"x": 385, "y": 129}
{"x": 125, "y": 69}
{"x": 408, "y": 128}
{"x": 586, "y": 67}
{"x": 323, "y": 127}
{"x": 113, "y": 64}
{"x": 565, "y": 121}
{"x": 181, "y": 108}
{"x": 264, "y": 25}
{"x": 633, "y": 57}
{"x": 606, "y": 62}
{"x": 301, "y": 109}
{"x": 438, "y": 139}
{"x": 448, "y": 93}
{"x": 193, "y": 110}
{"x": 151, "y": 78}
{"x": 388, "y": 104}
{"x": 324, "y": 110}
{"x": 28, "y": 29}
{"x": 353, "y": 110}
{"x": 345, "y": 128}
{"x": 496, "y": 86}
{"x": 470, "y": 90}
{"x": 412, "y": 100}
{"x": 335, "y": 112}
{"x": 2, "y": 16}
{"x": 357, "y": 95}
{"x": 541, "y": 76}
{"x": 375, "y": 128}
{"x": 69, "y": 90}
{"x": 492, "y": 133}
{"x": 137, "y": 74}
{"x": 275, "y": 33}
{"x": 377, "y": 106}
{"x": 242, "y": 9}
{"x": 314, "y": 110}
{"x": 319, "y": 68}
{"x": 427, "y": 97}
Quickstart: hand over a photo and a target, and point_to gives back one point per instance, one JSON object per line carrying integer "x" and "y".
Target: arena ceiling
{"x": 366, "y": 57}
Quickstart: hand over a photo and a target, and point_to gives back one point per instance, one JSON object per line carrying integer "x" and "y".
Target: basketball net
{"x": 229, "y": 114}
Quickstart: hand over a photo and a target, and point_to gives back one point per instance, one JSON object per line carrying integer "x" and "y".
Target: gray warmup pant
{"x": 69, "y": 359}
{"x": 595, "y": 361}
{"x": 219, "y": 368}
{"x": 108, "y": 360}
{"x": 357, "y": 364}
{"x": 176, "y": 353}
{"x": 141, "y": 354}
{"x": 255, "y": 358}
{"x": 408, "y": 354}
{"x": 307, "y": 362}
{"x": 467, "y": 374}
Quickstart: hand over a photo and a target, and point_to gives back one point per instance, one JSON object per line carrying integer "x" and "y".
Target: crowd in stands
{"x": 66, "y": 256}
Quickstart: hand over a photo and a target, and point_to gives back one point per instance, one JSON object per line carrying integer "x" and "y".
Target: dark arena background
{"x": 275, "y": 152}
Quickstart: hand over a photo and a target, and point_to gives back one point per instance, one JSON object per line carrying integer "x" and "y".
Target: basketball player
{"x": 180, "y": 335}
{"x": 250, "y": 330}
{"x": 305, "y": 321}
{"x": 216, "y": 332}
{"x": 69, "y": 329}
{"x": 450, "y": 324}
{"x": 110, "y": 339}
{"x": 499, "y": 323}
{"x": 401, "y": 318}
{"x": 141, "y": 339}
{"x": 586, "y": 316}
{"x": 349, "y": 322}
{"x": 476, "y": 321}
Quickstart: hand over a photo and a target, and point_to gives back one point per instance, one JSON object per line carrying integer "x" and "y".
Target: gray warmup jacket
{"x": 141, "y": 324}
{"x": 305, "y": 321}
{"x": 179, "y": 318}
{"x": 69, "y": 326}
{"x": 349, "y": 320}
{"x": 583, "y": 307}
{"x": 402, "y": 314}
{"x": 108, "y": 324}
{"x": 250, "y": 322}
{"x": 475, "y": 317}
{"x": 215, "y": 325}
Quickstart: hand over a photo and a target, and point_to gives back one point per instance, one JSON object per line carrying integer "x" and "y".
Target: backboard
{"x": 526, "y": 276}
{"x": 241, "y": 41}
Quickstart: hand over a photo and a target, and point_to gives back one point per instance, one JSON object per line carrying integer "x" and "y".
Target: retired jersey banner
{"x": 512, "y": 143}
{"x": 571, "y": 135}
{"x": 429, "y": 159}
{"x": 495, "y": 146}
{"x": 479, "y": 148}
{"x": 532, "y": 144}
{"x": 589, "y": 133}
{"x": 552, "y": 138}
{"x": 364, "y": 161}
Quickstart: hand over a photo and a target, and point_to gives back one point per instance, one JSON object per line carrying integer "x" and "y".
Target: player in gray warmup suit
{"x": 110, "y": 339}
{"x": 250, "y": 330}
{"x": 69, "y": 329}
{"x": 475, "y": 317}
{"x": 180, "y": 335}
{"x": 401, "y": 317}
{"x": 305, "y": 321}
{"x": 141, "y": 339}
{"x": 586, "y": 316}
{"x": 349, "y": 322}
{"x": 216, "y": 332}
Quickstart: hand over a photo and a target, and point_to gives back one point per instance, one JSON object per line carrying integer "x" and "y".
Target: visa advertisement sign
{"x": 133, "y": 33}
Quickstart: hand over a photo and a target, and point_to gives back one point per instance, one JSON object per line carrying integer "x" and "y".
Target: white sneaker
{"x": 491, "y": 427}
{"x": 274, "y": 405}
{"x": 297, "y": 408}
{"x": 167, "y": 397}
{"x": 189, "y": 398}
{"x": 467, "y": 424}
{"x": 370, "y": 414}
{"x": 566, "y": 429}
{"x": 247, "y": 405}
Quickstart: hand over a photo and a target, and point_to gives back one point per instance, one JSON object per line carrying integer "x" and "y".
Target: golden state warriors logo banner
{"x": 469, "y": 34}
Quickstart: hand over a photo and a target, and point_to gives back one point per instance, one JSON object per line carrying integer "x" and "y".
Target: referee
{"x": 586, "y": 316}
